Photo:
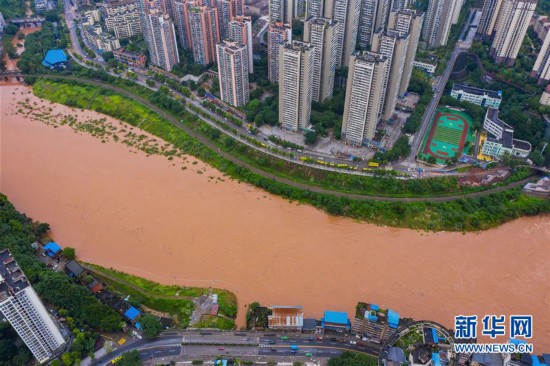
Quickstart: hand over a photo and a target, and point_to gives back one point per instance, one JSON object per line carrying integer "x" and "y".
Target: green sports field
{"x": 449, "y": 131}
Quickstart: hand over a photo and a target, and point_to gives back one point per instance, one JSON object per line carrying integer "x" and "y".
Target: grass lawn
{"x": 209, "y": 321}
{"x": 153, "y": 295}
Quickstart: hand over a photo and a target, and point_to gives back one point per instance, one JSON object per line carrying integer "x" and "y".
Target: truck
{"x": 293, "y": 348}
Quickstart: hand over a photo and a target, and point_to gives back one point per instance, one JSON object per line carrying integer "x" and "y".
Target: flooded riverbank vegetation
{"x": 459, "y": 215}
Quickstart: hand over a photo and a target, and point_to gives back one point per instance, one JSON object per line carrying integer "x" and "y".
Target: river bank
{"x": 145, "y": 215}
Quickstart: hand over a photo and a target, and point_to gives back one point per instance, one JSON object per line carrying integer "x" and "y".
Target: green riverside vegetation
{"x": 459, "y": 215}
{"x": 84, "y": 314}
{"x": 172, "y": 299}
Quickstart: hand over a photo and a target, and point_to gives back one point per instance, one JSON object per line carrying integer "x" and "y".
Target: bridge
{"x": 29, "y": 22}
{"x": 11, "y": 74}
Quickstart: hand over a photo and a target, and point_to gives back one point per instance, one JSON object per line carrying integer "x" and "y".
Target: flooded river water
{"x": 145, "y": 215}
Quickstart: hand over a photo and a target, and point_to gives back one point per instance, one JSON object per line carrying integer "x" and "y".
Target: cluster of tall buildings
{"x": 387, "y": 36}
{"x": 506, "y": 21}
{"x": 375, "y": 39}
{"x": 215, "y": 31}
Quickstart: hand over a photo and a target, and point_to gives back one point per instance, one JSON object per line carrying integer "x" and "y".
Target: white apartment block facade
{"x": 322, "y": 34}
{"x": 164, "y": 50}
{"x": 25, "y": 312}
{"x": 122, "y": 19}
{"x": 277, "y": 34}
{"x": 240, "y": 30}
{"x": 365, "y": 88}
{"x": 233, "y": 72}
{"x": 437, "y": 24}
{"x": 512, "y": 23}
{"x": 407, "y": 22}
{"x": 367, "y": 20}
{"x": 296, "y": 61}
{"x": 394, "y": 47}
{"x": 489, "y": 15}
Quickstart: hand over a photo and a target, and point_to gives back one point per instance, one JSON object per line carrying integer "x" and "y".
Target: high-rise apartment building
{"x": 382, "y": 13}
{"x": 240, "y": 30}
{"x": 315, "y": 9}
{"x": 283, "y": 10}
{"x": 233, "y": 72}
{"x": 367, "y": 20}
{"x": 24, "y": 310}
{"x": 410, "y": 22}
{"x": 437, "y": 24}
{"x": 400, "y": 5}
{"x": 277, "y": 34}
{"x": 296, "y": 63}
{"x": 322, "y": 34}
{"x": 345, "y": 12}
{"x": 456, "y": 10}
{"x": 365, "y": 88}
{"x": 394, "y": 47}
{"x": 489, "y": 15}
{"x": 205, "y": 32}
{"x": 163, "y": 49}
{"x": 225, "y": 14}
{"x": 181, "y": 20}
{"x": 541, "y": 69}
{"x": 512, "y": 23}
{"x": 122, "y": 18}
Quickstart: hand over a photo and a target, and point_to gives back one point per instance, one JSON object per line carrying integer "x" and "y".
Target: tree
{"x": 67, "y": 359}
{"x": 151, "y": 325}
{"x": 201, "y": 92}
{"x": 51, "y": 16}
{"x": 310, "y": 137}
{"x": 130, "y": 359}
{"x": 352, "y": 359}
{"x": 432, "y": 159}
{"x": 69, "y": 253}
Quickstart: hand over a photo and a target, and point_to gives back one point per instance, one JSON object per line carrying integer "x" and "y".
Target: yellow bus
{"x": 115, "y": 360}
{"x": 303, "y": 158}
{"x": 342, "y": 165}
{"x": 373, "y": 164}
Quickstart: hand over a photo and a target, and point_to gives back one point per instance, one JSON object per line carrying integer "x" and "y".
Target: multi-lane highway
{"x": 202, "y": 345}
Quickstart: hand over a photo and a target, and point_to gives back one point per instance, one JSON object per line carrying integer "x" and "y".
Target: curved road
{"x": 273, "y": 177}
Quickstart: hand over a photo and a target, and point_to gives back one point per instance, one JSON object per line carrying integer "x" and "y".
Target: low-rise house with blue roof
{"x": 55, "y": 59}
{"x": 52, "y": 249}
{"x": 132, "y": 314}
{"x": 336, "y": 321}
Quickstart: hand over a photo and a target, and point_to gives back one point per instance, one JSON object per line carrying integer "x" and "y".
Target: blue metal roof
{"x": 436, "y": 338}
{"x": 393, "y": 318}
{"x": 436, "y": 359}
{"x": 336, "y": 317}
{"x": 374, "y": 307}
{"x": 516, "y": 341}
{"x": 132, "y": 313}
{"x": 546, "y": 358}
{"x": 52, "y": 248}
{"x": 536, "y": 361}
{"x": 54, "y": 57}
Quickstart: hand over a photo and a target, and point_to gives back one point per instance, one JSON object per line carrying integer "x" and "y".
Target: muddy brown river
{"x": 145, "y": 215}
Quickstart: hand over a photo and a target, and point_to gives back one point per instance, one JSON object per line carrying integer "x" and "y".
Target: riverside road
{"x": 262, "y": 346}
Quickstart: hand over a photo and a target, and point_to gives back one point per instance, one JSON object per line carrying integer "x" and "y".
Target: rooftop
{"x": 74, "y": 268}
{"x": 52, "y": 248}
{"x": 132, "y": 313}
{"x": 12, "y": 278}
{"x": 477, "y": 91}
{"x": 289, "y": 316}
{"x": 54, "y": 57}
{"x": 336, "y": 317}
